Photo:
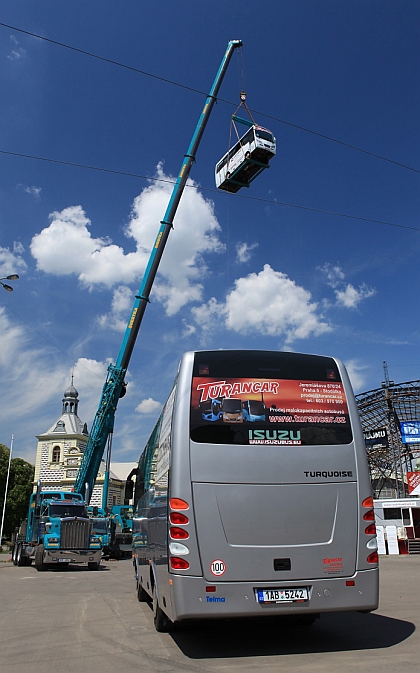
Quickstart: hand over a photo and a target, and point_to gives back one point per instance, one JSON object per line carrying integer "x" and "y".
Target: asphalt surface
{"x": 76, "y": 619}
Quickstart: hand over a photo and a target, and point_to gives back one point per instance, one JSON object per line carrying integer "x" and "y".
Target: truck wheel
{"x": 39, "y": 558}
{"x": 20, "y": 560}
{"x": 94, "y": 565}
{"x": 14, "y": 553}
{"x": 161, "y": 621}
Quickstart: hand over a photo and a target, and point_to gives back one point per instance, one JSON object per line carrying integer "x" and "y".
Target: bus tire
{"x": 142, "y": 595}
{"x": 39, "y": 558}
{"x": 161, "y": 621}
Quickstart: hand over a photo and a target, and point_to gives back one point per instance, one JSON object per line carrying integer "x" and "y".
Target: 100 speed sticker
{"x": 217, "y": 567}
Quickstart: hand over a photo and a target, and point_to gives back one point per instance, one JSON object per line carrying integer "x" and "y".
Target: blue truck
{"x": 57, "y": 531}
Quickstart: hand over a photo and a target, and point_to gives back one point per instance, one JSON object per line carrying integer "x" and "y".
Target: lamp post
{"x": 5, "y": 492}
{"x": 12, "y": 276}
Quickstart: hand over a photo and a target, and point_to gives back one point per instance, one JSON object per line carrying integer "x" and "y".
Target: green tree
{"x": 20, "y": 488}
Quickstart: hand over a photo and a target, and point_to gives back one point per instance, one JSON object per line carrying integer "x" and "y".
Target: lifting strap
{"x": 235, "y": 118}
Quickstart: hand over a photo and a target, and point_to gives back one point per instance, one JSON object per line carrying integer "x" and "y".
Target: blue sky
{"x": 239, "y": 271}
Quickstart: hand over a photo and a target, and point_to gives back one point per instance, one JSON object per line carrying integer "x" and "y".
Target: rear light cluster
{"x": 370, "y": 529}
{"x": 177, "y": 519}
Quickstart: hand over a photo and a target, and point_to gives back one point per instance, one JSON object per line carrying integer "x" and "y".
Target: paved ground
{"x": 76, "y": 619}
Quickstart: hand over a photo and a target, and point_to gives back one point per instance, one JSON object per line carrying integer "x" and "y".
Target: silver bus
{"x": 269, "y": 516}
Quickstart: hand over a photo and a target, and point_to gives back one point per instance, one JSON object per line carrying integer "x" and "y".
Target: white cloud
{"x": 34, "y": 191}
{"x": 350, "y": 297}
{"x": 333, "y": 273}
{"x": 12, "y": 262}
{"x": 18, "y": 248}
{"x": 122, "y": 301}
{"x": 356, "y": 372}
{"x": 188, "y": 329}
{"x": 195, "y": 234}
{"x": 346, "y": 295}
{"x": 89, "y": 378}
{"x": 66, "y": 246}
{"x": 266, "y": 303}
{"x": 243, "y": 252}
{"x": 148, "y": 406}
{"x": 17, "y": 52}
{"x": 35, "y": 385}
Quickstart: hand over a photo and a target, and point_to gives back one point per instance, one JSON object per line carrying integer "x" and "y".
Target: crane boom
{"x": 113, "y": 388}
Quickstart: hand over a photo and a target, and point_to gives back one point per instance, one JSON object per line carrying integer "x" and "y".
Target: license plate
{"x": 281, "y": 595}
{"x": 64, "y": 560}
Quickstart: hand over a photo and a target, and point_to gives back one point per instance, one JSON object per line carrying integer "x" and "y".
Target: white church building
{"x": 60, "y": 451}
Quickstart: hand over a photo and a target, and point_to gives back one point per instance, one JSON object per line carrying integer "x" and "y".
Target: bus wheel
{"x": 247, "y": 155}
{"x": 39, "y": 558}
{"x": 142, "y": 595}
{"x": 162, "y": 623}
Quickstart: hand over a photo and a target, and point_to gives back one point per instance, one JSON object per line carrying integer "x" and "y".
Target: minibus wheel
{"x": 161, "y": 621}
{"x": 142, "y": 595}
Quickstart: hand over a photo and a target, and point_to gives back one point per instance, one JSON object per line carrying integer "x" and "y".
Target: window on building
{"x": 392, "y": 513}
{"x": 56, "y": 454}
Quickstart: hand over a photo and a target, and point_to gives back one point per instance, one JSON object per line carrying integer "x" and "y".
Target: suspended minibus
{"x": 269, "y": 516}
{"x": 246, "y": 159}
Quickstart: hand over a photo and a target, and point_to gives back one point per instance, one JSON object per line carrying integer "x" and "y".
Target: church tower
{"x": 60, "y": 448}
{"x": 60, "y": 452}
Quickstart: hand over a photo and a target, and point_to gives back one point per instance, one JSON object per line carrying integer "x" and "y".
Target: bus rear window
{"x": 268, "y": 398}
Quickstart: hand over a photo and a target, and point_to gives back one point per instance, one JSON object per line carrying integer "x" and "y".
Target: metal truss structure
{"x": 384, "y": 409}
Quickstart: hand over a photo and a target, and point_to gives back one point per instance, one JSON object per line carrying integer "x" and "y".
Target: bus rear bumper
{"x": 191, "y": 600}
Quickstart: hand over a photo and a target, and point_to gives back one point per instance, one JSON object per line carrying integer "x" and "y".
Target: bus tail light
{"x": 371, "y": 529}
{"x": 177, "y": 503}
{"x": 178, "y": 533}
{"x": 178, "y": 563}
{"x": 368, "y": 504}
{"x": 178, "y": 518}
{"x": 373, "y": 558}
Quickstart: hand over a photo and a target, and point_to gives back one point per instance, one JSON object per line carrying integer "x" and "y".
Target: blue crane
{"x": 114, "y": 387}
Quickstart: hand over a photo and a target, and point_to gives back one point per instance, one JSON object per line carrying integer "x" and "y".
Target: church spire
{"x": 70, "y": 400}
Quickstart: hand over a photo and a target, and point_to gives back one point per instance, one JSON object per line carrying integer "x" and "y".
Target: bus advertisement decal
{"x": 275, "y": 411}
